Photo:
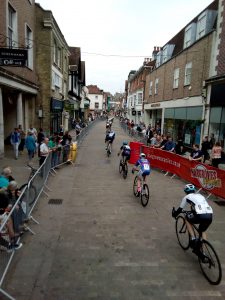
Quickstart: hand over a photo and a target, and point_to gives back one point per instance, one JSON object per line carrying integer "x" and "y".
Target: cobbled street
{"x": 100, "y": 243}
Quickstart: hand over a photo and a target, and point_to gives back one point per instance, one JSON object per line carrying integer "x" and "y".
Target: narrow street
{"x": 100, "y": 243}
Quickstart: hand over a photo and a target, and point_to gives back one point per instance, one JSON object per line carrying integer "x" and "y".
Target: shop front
{"x": 184, "y": 123}
{"x": 56, "y": 115}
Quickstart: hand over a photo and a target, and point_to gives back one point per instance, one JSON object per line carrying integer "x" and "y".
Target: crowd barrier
{"x": 136, "y": 136}
{"x": 21, "y": 211}
{"x": 207, "y": 178}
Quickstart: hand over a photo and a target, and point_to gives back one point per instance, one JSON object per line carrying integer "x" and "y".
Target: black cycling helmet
{"x": 125, "y": 143}
{"x": 189, "y": 188}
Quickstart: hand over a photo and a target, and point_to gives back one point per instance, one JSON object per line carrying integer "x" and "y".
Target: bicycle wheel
{"x": 121, "y": 166}
{"x": 144, "y": 195}
{"x": 125, "y": 170}
{"x": 210, "y": 263}
{"x": 182, "y": 233}
{"x": 135, "y": 186}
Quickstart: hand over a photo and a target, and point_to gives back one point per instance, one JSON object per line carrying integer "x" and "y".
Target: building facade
{"x": 52, "y": 69}
{"x": 174, "y": 89}
{"x": 95, "y": 94}
{"x": 18, "y": 83}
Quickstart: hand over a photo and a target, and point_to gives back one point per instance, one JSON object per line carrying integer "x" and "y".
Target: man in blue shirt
{"x": 169, "y": 145}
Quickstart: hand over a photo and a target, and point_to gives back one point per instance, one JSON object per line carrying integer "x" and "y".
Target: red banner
{"x": 208, "y": 178}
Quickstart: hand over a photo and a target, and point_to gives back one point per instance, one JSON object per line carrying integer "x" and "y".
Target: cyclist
{"x": 125, "y": 151}
{"x": 200, "y": 213}
{"x": 143, "y": 166}
{"x": 110, "y": 136}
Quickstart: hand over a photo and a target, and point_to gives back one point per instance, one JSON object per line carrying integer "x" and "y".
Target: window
{"x": 150, "y": 88}
{"x": 187, "y": 37}
{"x": 96, "y": 105}
{"x": 59, "y": 57}
{"x": 29, "y": 45}
{"x": 12, "y": 21}
{"x": 156, "y": 86}
{"x": 201, "y": 25}
{"x": 139, "y": 98}
{"x": 55, "y": 52}
{"x": 56, "y": 81}
{"x": 176, "y": 78}
{"x": 187, "y": 75}
{"x": 135, "y": 99}
{"x": 96, "y": 97}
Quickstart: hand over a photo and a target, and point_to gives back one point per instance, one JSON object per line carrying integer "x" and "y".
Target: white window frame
{"x": 139, "y": 98}
{"x": 29, "y": 45}
{"x": 12, "y": 27}
{"x": 150, "y": 88}
{"x": 187, "y": 74}
{"x": 201, "y": 25}
{"x": 156, "y": 86}
{"x": 187, "y": 36}
{"x": 165, "y": 54}
{"x": 135, "y": 100}
{"x": 176, "y": 78}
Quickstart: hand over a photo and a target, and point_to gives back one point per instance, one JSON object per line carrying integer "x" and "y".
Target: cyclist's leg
{"x": 139, "y": 180}
{"x": 206, "y": 220}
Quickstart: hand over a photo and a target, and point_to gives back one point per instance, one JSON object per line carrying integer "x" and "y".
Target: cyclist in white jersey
{"x": 201, "y": 212}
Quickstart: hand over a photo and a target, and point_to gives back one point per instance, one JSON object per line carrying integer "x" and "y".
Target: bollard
{"x": 73, "y": 152}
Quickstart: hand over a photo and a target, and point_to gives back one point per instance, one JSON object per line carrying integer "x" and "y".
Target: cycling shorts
{"x": 143, "y": 173}
{"x": 204, "y": 220}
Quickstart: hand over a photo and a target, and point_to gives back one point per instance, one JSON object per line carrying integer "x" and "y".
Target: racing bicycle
{"x": 109, "y": 149}
{"x": 144, "y": 191}
{"x": 207, "y": 257}
{"x": 123, "y": 167}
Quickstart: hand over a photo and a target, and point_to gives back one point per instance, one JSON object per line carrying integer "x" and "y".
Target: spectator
{"x": 169, "y": 145}
{"x": 153, "y": 140}
{"x": 7, "y": 173}
{"x": 179, "y": 149}
{"x": 196, "y": 154}
{"x": 61, "y": 130}
{"x": 205, "y": 148}
{"x": 216, "y": 154}
{"x": 15, "y": 141}
{"x": 34, "y": 131}
{"x": 22, "y": 139}
{"x": 164, "y": 140}
{"x": 212, "y": 140}
{"x": 66, "y": 145}
{"x": 4, "y": 182}
{"x": 30, "y": 145}
{"x": 53, "y": 146}
{"x": 40, "y": 138}
{"x": 44, "y": 151}
{"x": 77, "y": 128}
{"x": 158, "y": 141}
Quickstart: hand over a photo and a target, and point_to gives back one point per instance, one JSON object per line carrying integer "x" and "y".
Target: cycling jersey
{"x": 125, "y": 150}
{"x": 110, "y": 136}
{"x": 198, "y": 204}
{"x": 144, "y": 166}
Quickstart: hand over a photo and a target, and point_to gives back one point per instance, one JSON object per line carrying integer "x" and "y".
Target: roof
{"x": 94, "y": 89}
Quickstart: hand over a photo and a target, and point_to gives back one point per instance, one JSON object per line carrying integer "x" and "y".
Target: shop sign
{"x": 13, "y": 57}
{"x": 155, "y": 105}
{"x": 57, "y": 105}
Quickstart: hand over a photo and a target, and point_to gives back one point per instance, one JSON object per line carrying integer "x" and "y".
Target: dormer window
{"x": 189, "y": 35}
{"x": 167, "y": 52}
{"x": 201, "y": 25}
{"x": 158, "y": 59}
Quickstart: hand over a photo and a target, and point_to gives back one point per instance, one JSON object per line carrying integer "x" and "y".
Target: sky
{"x": 116, "y": 35}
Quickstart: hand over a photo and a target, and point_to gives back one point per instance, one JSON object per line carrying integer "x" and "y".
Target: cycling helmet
{"x": 189, "y": 188}
{"x": 142, "y": 155}
{"x": 125, "y": 143}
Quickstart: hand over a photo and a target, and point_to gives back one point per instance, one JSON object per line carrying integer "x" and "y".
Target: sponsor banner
{"x": 208, "y": 178}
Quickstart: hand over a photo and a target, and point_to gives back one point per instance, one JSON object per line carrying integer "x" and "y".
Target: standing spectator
{"x": 77, "y": 128}
{"x": 30, "y": 145}
{"x": 216, "y": 154}
{"x": 212, "y": 140}
{"x": 40, "y": 138}
{"x": 158, "y": 141}
{"x": 15, "y": 141}
{"x": 44, "y": 151}
{"x": 66, "y": 145}
{"x": 179, "y": 149}
{"x": 196, "y": 154}
{"x": 153, "y": 140}
{"x": 169, "y": 145}
{"x": 205, "y": 148}
{"x": 34, "y": 131}
{"x": 22, "y": 139}
{"x": 61, "y": 130}
{"x": 53, "y": 146}
{"x": 164, "y": 140}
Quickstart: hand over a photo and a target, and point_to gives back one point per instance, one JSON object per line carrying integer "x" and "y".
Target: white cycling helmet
{"x": 189, "y": 188}
{"x": 142, "y": 155}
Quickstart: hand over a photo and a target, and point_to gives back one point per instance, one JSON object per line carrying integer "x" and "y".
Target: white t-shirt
{"x": 198, "y": 202}
{"x": 44, "y": 150}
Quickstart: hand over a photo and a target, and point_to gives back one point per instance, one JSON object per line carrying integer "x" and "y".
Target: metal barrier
{"x": 29, "y": 197}
{"x": 137, "y": 136}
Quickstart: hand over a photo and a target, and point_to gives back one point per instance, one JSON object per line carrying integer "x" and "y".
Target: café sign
{"x": 13, "y": 57}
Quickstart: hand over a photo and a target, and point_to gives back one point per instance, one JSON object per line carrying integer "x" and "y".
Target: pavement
{"x": 100, "y": 243}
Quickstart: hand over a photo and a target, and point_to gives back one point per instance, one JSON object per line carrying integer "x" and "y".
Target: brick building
{"x": 52, "y": 69}
{"x": 174, "y": 89}
{"x": 18, "y": 85}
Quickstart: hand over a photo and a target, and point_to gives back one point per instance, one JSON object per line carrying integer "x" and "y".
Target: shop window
{"x": 194, "y": 113}
{"x": 187, "y": 75}
{"x": 180, "y": 113}
{"x": 176, "y": 78}
{"x": 169, "y": 113}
